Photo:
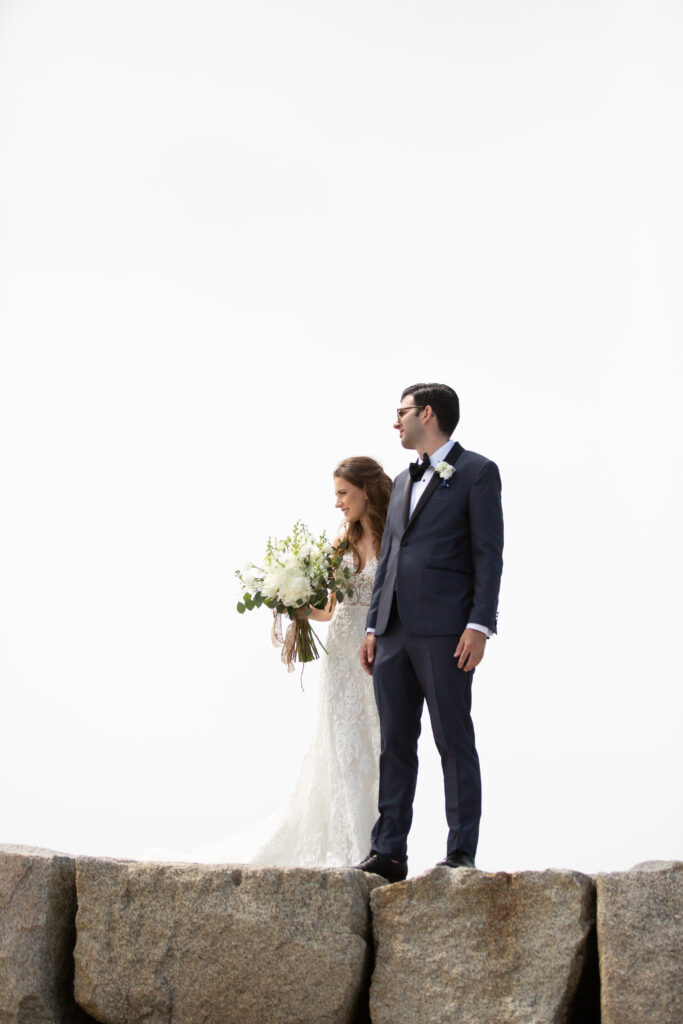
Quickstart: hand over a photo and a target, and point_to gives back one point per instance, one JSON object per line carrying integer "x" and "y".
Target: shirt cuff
{"x": 470, "y": 625}
{"x": 480, "y": 629}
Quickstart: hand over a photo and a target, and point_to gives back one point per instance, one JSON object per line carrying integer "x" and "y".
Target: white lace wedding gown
{"x": 328, "y": 818}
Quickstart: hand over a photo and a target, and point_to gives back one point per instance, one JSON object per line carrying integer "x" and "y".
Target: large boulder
{"x": 472, "y": 948}
{"x": 210, "y": 944}
{"x": 640, "y": 938}
{"x": 37, "y": 935}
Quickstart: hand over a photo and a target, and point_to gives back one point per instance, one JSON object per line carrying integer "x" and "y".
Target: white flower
{"x": 445, "y": 470}
{"x": 250, "y": 579}
{"x": 294, "y": 589}
{"x": 271, "y": 583}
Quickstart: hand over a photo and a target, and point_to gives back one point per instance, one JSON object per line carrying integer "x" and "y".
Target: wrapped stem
{"x": 299, "y": 643}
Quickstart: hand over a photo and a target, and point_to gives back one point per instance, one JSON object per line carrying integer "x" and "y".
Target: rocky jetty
{"x": 122, "y": 942}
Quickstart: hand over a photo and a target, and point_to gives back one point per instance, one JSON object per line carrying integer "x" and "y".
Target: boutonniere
{"x": 445, "y": 471}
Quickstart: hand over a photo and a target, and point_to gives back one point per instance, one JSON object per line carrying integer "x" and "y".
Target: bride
{"x": 328, "y": 817}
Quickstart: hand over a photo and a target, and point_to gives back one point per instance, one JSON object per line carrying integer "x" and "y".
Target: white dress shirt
{"x": 420, "y": 486}
{"x": 418, "y": 489}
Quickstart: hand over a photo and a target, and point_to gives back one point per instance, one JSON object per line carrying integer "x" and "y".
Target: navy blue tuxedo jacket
{"x": 445, "y": 561}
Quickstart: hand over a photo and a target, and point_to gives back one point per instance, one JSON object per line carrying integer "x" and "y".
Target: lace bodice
{"x": 362, "y": 582}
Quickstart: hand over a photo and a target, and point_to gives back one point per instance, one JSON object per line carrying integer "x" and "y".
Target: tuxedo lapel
{"x": 452, "y": 457}
{"x": 405, "y": 505}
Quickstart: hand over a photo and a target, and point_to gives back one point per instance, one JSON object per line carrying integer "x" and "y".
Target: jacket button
{"x": 404, "y": 543}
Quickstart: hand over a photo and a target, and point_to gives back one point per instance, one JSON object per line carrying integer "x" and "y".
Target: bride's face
{"x": 350, "y": 499}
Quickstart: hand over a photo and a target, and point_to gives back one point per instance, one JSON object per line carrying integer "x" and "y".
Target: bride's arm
{"x": 318, "y": 614}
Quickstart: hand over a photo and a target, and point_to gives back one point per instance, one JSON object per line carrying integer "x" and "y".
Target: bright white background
{"x": 230, "y": 233}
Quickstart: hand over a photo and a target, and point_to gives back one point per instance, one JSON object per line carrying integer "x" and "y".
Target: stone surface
{"x": 215, "y": 944}
{"x": 472, "y": 948}
{"x": 640, "y": 944}
{"x": 37, "y": 934}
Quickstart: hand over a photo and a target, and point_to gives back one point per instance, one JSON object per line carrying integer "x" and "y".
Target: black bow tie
{"x": 416, "y": 469}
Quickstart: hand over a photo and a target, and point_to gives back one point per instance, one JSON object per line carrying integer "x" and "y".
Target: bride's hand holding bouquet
{"x": 299, "y": 573}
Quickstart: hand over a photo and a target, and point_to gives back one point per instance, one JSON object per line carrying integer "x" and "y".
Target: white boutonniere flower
{"x": 445, "y": 470}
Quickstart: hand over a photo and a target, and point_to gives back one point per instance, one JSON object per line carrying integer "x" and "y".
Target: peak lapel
{"x": 452, "y": 457}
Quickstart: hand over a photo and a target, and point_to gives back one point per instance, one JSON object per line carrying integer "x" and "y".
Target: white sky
{"x": 230, "y": 233}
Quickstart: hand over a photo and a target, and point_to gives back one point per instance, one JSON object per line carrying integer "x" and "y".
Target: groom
{"x": 433, "y": 607}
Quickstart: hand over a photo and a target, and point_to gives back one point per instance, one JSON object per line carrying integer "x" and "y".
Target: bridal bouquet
{"x": 297, "y": 571}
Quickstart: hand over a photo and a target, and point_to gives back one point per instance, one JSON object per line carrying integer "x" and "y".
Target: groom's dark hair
{"x": 443, "y": 401}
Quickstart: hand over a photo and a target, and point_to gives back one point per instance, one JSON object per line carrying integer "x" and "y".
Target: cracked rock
{"x": 37, "y": 911}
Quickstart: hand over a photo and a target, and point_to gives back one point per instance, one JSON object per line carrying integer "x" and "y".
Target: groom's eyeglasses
{"x": 400, "y": 413}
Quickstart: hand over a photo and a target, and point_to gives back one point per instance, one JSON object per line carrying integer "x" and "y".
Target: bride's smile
{"x": 350, "y": 499}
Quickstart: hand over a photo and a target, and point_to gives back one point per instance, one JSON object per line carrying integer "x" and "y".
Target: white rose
{"x": 294, "y": 590}
{"x": 271, "y": 583}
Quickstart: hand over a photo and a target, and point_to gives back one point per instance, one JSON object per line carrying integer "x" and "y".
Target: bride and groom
{"x": 426, "y": 602}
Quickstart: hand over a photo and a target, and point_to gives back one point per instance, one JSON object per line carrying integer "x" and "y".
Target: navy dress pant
{"x": 408, "y": 671}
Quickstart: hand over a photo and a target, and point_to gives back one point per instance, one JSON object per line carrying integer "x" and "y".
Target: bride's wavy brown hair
{"x": 364, "y": 472}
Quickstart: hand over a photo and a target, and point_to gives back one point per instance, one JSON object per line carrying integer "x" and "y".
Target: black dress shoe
{"x": 378, "y": 864}
{"x": 457, "y": 860}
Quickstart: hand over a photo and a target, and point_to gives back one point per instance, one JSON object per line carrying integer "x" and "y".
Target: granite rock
{"x": 212, "y": 944}
{"x": 472, "y": 948}
{"x": 37, "y": 934}
{"x": 640, "y": 943}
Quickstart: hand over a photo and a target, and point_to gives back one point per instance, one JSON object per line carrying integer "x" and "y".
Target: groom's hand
{"x": 367, "y": 652}
{"x": 470, "y": 649}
